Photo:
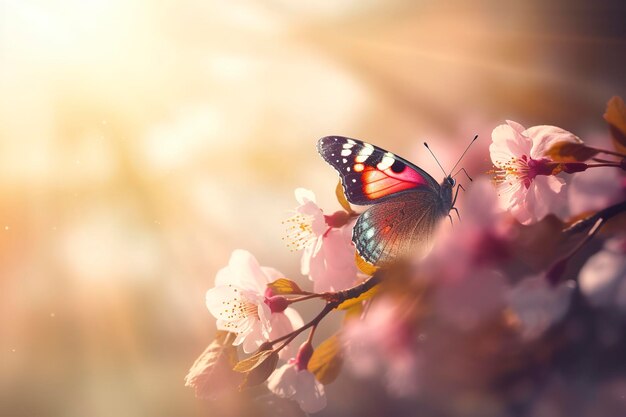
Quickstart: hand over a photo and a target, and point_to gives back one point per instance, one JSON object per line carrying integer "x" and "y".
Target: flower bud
{"x": 277, "y": 303}
{"x": 304, "y": 355}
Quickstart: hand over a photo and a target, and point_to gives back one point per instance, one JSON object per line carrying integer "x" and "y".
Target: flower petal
{"x": 282, "y": 382}
{"x": 508, "y": 142}
{"x": 303, "y": 196}
{"x": 246, "y": 269}
{"x": 309, "y": 392}
{"x": 545, "y": 137}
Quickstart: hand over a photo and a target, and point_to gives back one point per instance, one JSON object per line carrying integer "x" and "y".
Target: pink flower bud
{"x": 304, "y": 355}
{"x": 277, "y": 303}
{"x": 337, "y": 219}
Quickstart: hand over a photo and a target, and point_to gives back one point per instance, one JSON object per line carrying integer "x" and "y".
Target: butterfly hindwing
{"x": 370, "y": 174}
{"x": 398, "y": 227}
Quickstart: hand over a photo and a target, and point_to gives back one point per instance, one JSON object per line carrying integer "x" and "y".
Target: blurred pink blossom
{"x": 538, "y": 305}
{"x": 603, "y": 278}
{"x": 239, "y": 304}
{"x": 328, "y": 257}
{"x": 595, "y": 190}
{"x": 293, "y": 380}
{"x": 481, "y": 238}
{"x": 524, "y": 171}
{"x": 469, "y": 302}
{"x": 385, "y": 343}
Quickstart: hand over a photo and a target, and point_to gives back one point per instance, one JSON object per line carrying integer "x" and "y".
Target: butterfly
{"x": 406, "y": 202}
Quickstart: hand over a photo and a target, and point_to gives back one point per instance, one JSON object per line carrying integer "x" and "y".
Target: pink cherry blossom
{"x": 537, "y": 305}
{"x": 480, "y": 239}
{"x": 385, "y": 343}
{"x": 603, "y": 278}
{"x": 524, "y": 170}
{"x": 293, "y": 380}
{"x": 239, "y": 304}
{"x": 328, "y": 256}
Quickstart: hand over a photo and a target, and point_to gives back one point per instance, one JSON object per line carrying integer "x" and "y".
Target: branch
{"x": 604, "y": 214}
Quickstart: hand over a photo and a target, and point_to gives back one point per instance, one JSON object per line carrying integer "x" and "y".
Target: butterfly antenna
{"x": 436, "y": 160}
{"x": 464, "y": 152}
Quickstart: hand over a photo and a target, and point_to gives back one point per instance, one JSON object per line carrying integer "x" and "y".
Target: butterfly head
{"x": 449, "y": 181}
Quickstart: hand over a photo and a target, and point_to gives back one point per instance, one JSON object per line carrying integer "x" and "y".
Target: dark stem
{"x": 610, "y": 164}
{"x": 621, "y": 155}
{"x": 605, "y": 214}
{"x": 334, "y": 300}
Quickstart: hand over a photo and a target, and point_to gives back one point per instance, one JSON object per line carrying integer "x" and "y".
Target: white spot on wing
{"x": 365, "y": 152}
{"x": 344, "y": 160}
{"x": 351, "y": 142}
{"x": 387, "y": 161}
{"x": 345, "y": 152}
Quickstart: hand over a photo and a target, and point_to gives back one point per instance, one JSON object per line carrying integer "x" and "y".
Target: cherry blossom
{"x": 524, "y": 171}
{"x": 603, "y": 278}
{"x": 385, "y": 342}
{"x": 537, "y": 305}
{"x": 328, "y": 256}
{"x": 293, "y": 380}
{"x": 239, "y": 303}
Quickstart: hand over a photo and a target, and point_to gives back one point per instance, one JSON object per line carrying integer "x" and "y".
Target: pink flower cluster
{"x": 496, "y": 287}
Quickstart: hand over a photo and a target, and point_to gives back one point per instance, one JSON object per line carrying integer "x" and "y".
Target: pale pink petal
{"x": 294, "y": 317}
{"x": 282, "y": 381}
{"x": 243, "y": 329}
{"x": 544, "y": 137}
{"x": 309, "y": 392}
{"x": 219, "y": 300}
{"x": 473, "y": 300}
{"x": 247, "y": 270}
{"x": 334, "y": 268}
{"x": 303, "y": 196}
{"x": 283, "y": 323}
{"x": 225, "y": 277}
{"x": 310, "y": 252}
{"x": 595, "y": 190}
{"x": 272, "y": 274}
{"x": 603, "y": 275}
{"x": 254, "y": 338}
{"x": 538, "y": 305}
{"x": 507, "y": 142}
{"x": 547, "y": 195}
{"x": 265, "y": 314}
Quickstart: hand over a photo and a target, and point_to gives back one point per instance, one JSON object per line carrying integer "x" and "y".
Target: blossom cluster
{"x": 540, "y": 249}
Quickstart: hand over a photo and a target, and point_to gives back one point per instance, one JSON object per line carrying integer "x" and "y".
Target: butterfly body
{"x": 406, "y": 202}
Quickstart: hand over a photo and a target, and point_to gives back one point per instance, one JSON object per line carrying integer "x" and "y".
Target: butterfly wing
{"x": 370, "y": 174}
{"x": 401, "y": 226}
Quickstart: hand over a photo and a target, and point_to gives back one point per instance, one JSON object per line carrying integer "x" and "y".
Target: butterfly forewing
{"x": 370, "y": 174}
{"x": 399, "y": 227}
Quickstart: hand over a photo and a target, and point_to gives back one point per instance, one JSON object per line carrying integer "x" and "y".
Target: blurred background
{"x": 141, "y": 142}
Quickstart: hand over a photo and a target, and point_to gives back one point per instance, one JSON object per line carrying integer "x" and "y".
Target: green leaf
{"x": 211, "y": 375}
{"x": 326, "y": 361}
{"x": 284, "y": 286}
{"x": 248, "y": 364}
{"x": 261, "y": 371}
